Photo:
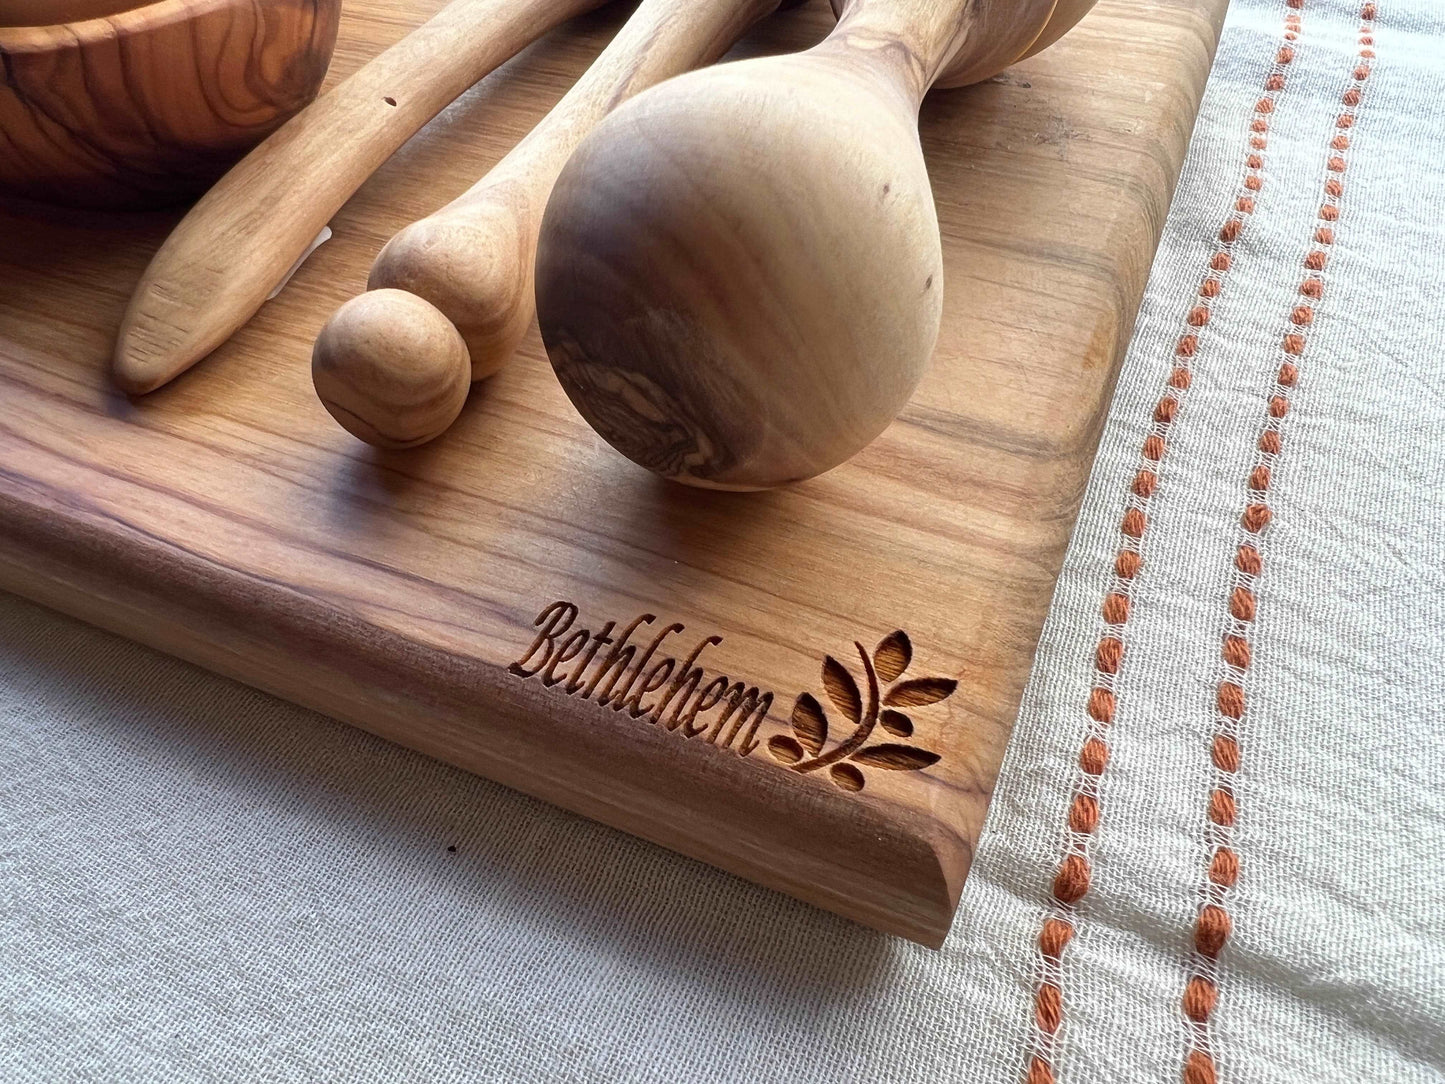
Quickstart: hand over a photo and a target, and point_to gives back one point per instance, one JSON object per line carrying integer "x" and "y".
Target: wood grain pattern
{"x": 53, "y": 12}
{"x": 391, "y": 369}
{"x": 474, "y": 260}
{"x": 222, "y": 261}
{"x": 739, "y": 273}
{"x": 227, "y": 520}
{"x": 148, "y": 106}
{"x": 1065, "y": 15}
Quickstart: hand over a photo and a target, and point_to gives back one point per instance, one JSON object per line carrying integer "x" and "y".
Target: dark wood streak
{"x": 589, "y": 538}
{"x": 475, "y": 601}
{"x": 593, "y": 540}
{"x": 600, "y": 539}
{"x": 80, "y": 143}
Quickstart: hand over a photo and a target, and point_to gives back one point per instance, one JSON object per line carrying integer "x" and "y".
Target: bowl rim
{"x": 80, "y": 32}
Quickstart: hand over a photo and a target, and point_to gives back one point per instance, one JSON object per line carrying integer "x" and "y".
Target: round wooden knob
{"x": 735, "y": 302}
{"x": 391, "y": 369}
{"x": 475, "y": 265}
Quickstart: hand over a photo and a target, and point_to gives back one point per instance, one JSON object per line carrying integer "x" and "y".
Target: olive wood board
{"x": 227, "y": 520}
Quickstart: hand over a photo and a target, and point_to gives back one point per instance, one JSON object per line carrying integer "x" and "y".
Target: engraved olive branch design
{"x": 865, "y": 727}
{"x": 810, "y": 722}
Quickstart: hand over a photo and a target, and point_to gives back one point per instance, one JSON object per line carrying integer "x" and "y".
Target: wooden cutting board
{"x": 438, "y": 597}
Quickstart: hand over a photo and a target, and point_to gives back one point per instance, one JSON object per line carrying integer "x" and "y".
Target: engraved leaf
{"x": 785, "y": 749}
{"x": 895, "y": 722}
{"x": 892, "y": 656}
{"x": 842, "y": 689}
{"x": 920, "y": 691}
{"x": 897, "y": 758}
{"x": 810, "y": 723}
{"x": 846, "y": 776}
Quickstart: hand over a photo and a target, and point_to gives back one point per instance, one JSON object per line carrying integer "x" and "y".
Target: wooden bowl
{"x": 113, "y": 105}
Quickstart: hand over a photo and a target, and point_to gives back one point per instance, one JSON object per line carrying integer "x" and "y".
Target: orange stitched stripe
{"x": 1214, "y": 925}
{"x": 1054, "y": 936}
{"x": 1075, "y": 872}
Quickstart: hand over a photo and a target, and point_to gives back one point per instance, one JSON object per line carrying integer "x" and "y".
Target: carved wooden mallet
{"x": 390, "y": 371}
{"x": 739, "y": 274}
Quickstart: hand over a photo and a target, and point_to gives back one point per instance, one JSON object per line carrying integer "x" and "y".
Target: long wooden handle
{"x": 663, "y": 38}
{"x": 231, "y": 250}
{"x": 474, "y": 258}
{"x": 1066, "y": 14}
{"x": 945, "y": 43}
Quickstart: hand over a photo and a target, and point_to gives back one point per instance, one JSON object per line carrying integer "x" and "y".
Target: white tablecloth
{"x": 200, "y": 883}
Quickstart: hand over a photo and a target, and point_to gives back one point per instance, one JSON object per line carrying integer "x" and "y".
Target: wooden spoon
{"x": 739, "y": 275}
{"x": 474, "y": 258}
{"x": 216, "y": 268}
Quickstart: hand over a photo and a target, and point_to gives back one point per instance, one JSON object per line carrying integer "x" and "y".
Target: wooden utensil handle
{"x": 1065, "y": 16}
{"x": 661, "y": 39}
{"x": 474, "y": 258}
{"x": 217, "y": 266}
{"x": 945, "y": 43}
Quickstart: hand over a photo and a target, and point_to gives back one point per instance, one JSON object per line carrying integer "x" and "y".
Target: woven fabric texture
{"x": 201, "y": 883}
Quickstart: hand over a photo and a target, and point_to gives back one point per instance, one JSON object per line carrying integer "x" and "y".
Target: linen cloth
{"x": 201, "y": 883}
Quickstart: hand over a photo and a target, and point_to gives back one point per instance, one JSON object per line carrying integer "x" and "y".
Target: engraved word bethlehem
{"x": 651, "y": 686}
{"x": 573, "y": 661}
